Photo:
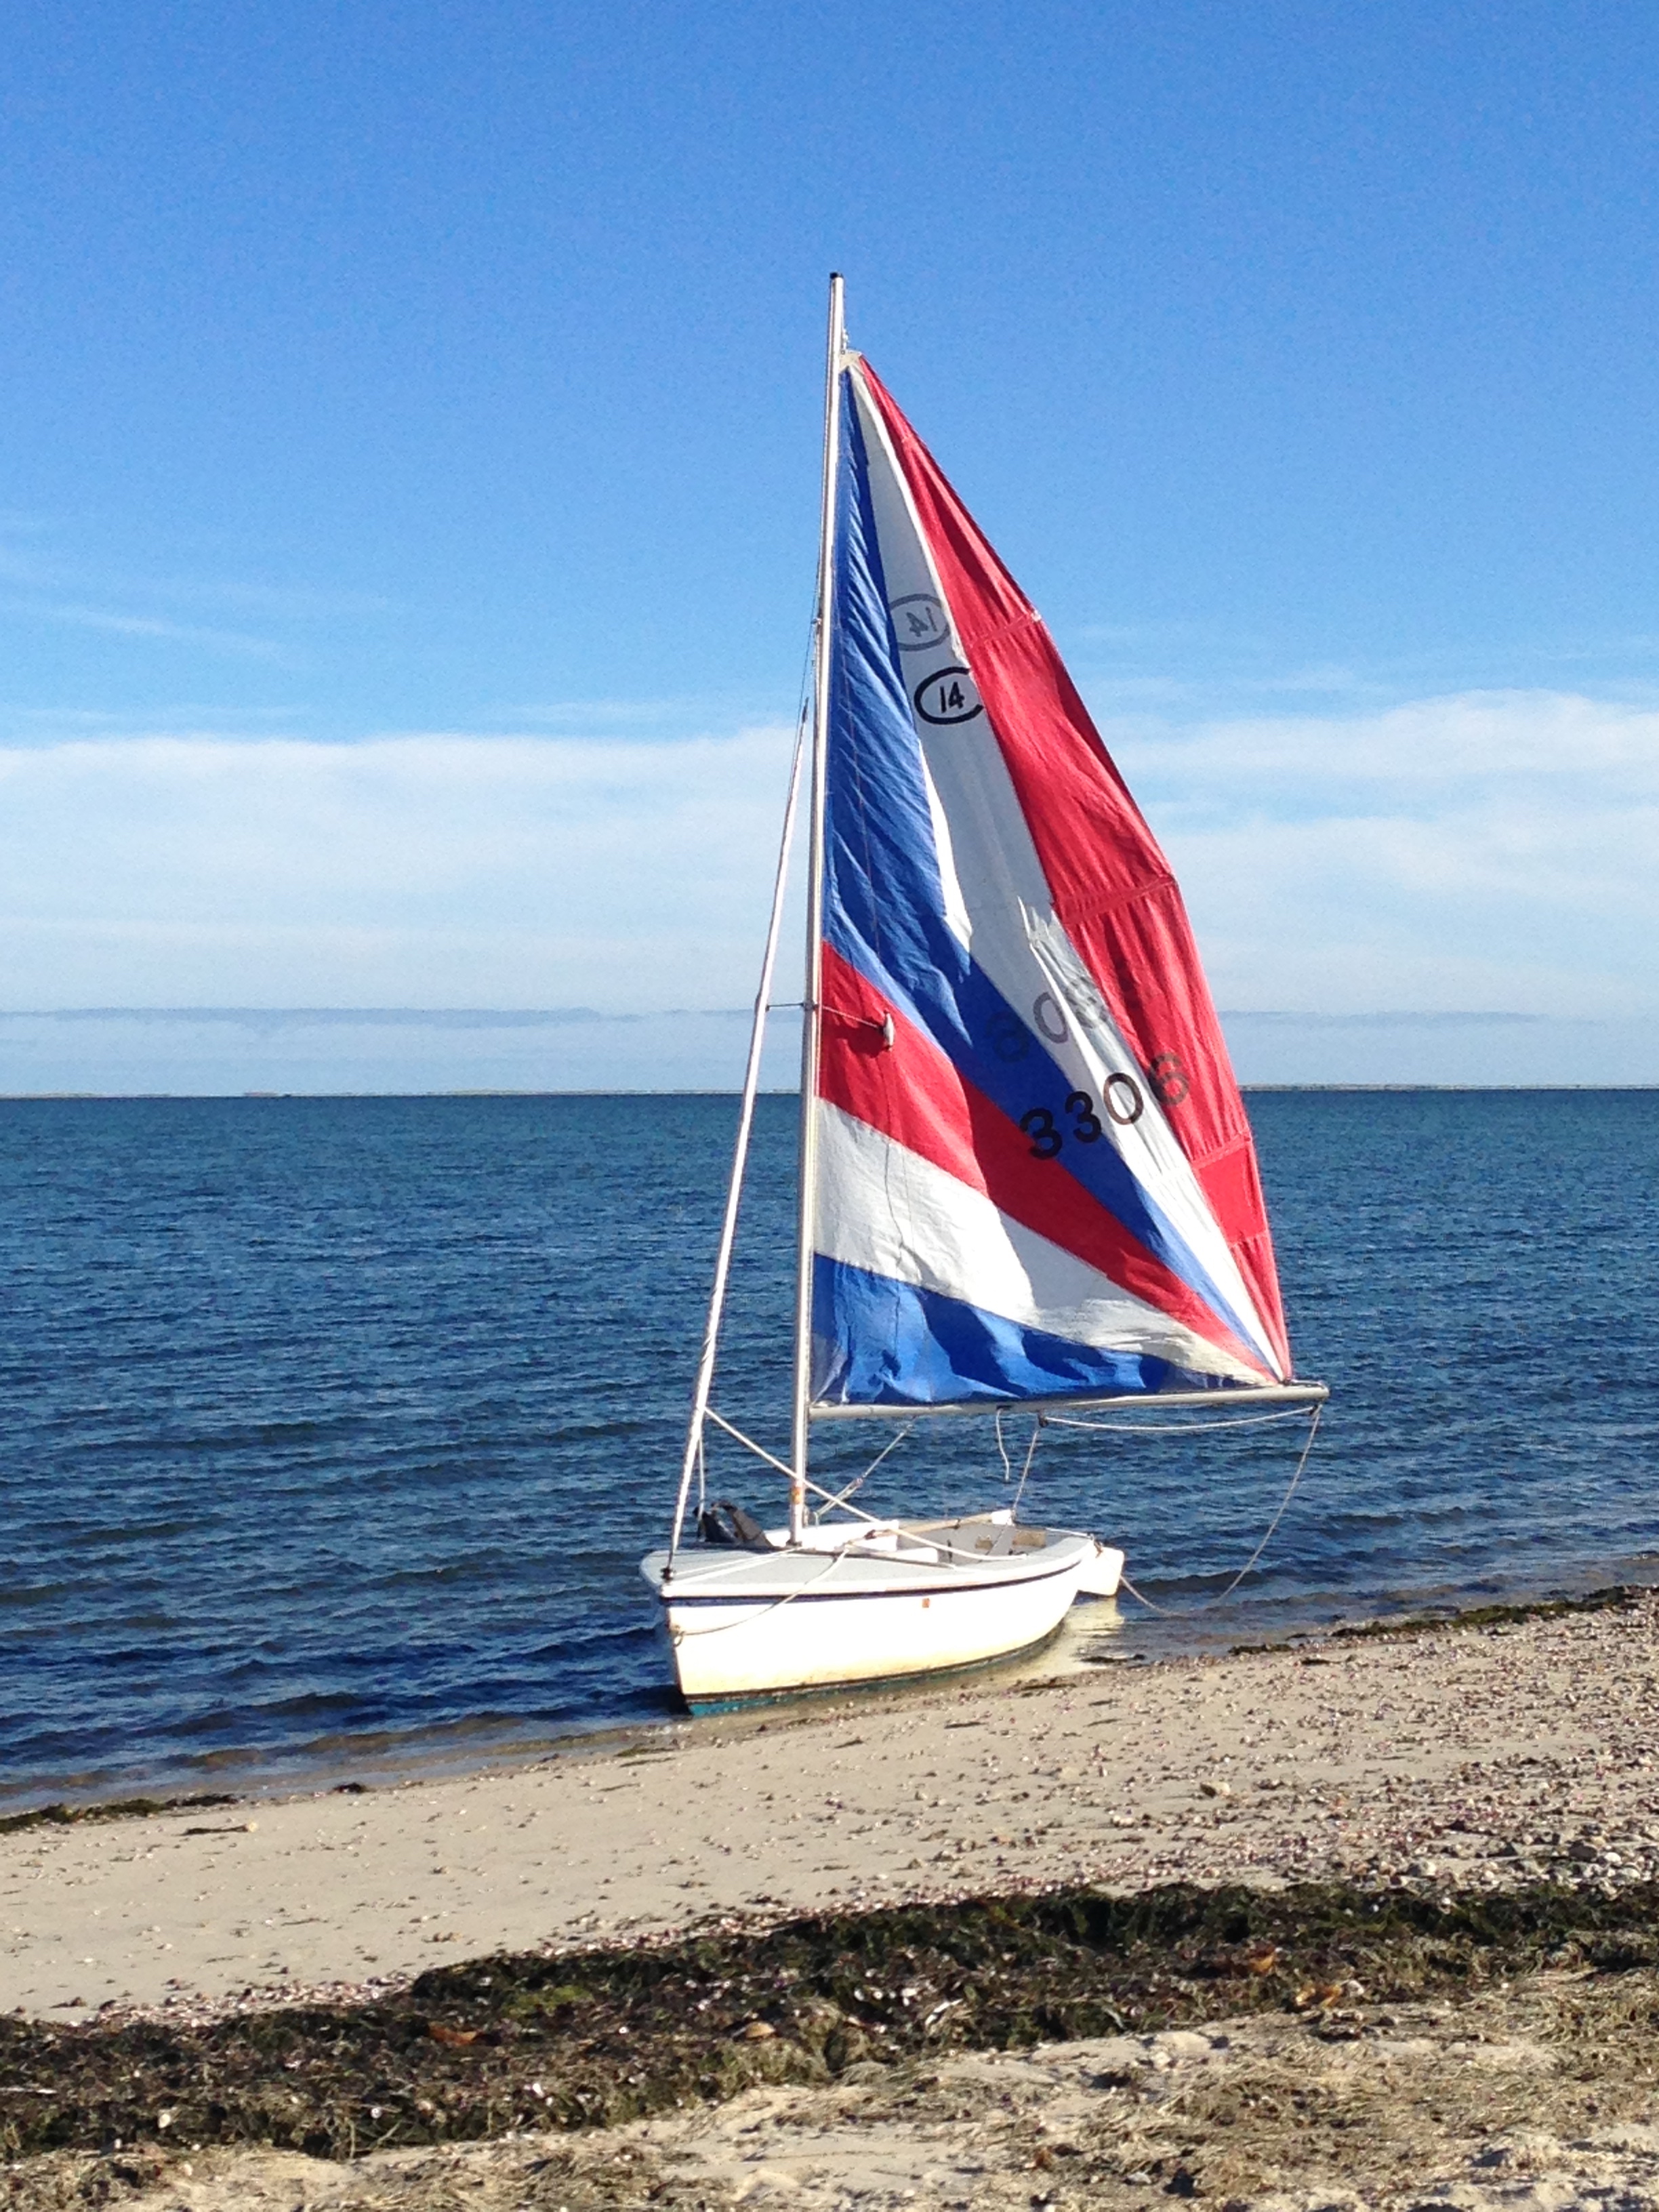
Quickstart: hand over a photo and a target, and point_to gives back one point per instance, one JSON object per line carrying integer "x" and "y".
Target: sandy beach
{"x": 1467, "y": 1755}
{"x": 1456, "y": 1760}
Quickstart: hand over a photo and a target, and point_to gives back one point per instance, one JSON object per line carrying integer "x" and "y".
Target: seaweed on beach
{"x": 593, "y": 2037}
{"x": 114, "y": 1808}
{"x": 1615, "y": 1597}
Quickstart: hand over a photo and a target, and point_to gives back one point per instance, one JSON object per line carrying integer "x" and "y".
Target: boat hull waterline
{"x": 764, "y": 1624}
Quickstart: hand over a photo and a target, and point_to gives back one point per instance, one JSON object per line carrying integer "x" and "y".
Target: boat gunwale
{"x": 970, "y": 1577}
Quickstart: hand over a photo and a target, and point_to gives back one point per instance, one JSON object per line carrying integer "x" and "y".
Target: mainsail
{"x": 1034, "y": 1177}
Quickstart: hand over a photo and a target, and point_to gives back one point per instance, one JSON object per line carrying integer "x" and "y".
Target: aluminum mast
{"x": 806, "y": 1220}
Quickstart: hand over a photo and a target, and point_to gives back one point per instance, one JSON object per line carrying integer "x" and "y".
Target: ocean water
{"x": 333, "y": 1429}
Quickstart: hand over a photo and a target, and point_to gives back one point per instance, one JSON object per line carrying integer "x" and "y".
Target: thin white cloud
{"x": 45, "y": 586}
{"x": 426, "y": 871}
{"x": 1495, "y": 737}
{"x": 1483, "y": 852}
{"x": 1487, "y": 850}
{"x": 117, "y": 624}
{"x": 215, "y": 724}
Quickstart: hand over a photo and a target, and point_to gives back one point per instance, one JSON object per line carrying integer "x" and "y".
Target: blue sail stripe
{"x": 877, "y": 1341}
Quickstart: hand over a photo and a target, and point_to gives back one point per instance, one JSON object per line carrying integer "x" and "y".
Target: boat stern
{"x": 1103, "y": 1571}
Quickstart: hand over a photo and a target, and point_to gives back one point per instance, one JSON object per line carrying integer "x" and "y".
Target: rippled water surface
{"x": 334, "y": 1428}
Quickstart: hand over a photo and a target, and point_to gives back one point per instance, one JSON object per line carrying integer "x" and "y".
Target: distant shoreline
{"x": 1250, "y": 1089}
{"x": 232, "y": 1051}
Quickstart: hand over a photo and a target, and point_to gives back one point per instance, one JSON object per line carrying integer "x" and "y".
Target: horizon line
{"x": 769, "y": 1091}
{"x": 530, "y": 1017}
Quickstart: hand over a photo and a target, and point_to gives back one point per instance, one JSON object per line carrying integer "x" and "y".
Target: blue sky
{"x": 439, "y": 385}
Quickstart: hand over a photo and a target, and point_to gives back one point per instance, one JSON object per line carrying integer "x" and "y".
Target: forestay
{"x": 1034, "y": 1174}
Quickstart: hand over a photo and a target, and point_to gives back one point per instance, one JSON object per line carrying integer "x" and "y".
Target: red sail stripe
{"x": 1114, "y": 891}
{"x": 912, "y": 1093}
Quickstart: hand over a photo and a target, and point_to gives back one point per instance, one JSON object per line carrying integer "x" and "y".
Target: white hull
{"x": 861, "y": 1606}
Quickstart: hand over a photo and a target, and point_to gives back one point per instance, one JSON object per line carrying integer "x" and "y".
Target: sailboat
{"x": 1027, "y": 1184}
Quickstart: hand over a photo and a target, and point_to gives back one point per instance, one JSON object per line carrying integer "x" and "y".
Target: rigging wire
{"x": 747, "y": 1619}
{"x": 1166, "y": 1612}
{"x": 694, "y": 1461}
{"x": 1176, "y": 1428}
{"x": 1025, "y": 1471}
{"x": 853, "y": 1488}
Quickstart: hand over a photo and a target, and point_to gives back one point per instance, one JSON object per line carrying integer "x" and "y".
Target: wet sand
{"x": 1469, "y": 1757}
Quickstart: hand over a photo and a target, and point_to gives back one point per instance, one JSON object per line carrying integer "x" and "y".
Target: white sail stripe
{"x": 1096, "y": 1050}
{"x": 884, "y": 1209}
{"x": 958, "y": 918}
{"x": 993, "y": 874}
